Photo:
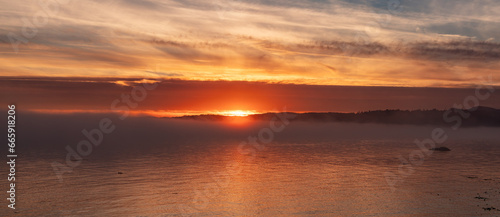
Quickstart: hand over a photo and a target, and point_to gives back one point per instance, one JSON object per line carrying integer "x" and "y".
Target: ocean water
{"x": 306, "y": 170}
{"x": 341, "y": 178}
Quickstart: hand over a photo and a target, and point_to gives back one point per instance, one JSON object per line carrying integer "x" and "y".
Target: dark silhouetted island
{"x": 474, "y": 117}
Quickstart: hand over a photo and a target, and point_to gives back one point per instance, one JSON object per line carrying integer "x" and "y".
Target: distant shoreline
{"x": 474, "y": 117}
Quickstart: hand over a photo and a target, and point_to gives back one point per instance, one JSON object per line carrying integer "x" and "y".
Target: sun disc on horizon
{"x": 237, "y": 113}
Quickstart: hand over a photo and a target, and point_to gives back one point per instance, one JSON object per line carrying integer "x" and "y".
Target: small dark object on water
{"x": 481, "y": 198}
{"x": 440, "y": 149}
{"x": 489, "y": 208}
{"x": 120, "y": 173}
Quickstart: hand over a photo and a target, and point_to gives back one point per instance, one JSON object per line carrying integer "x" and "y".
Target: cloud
{"x": 480, "y": 30}
{"x": 457, "y": 50}
{"x": 259, "y": 40}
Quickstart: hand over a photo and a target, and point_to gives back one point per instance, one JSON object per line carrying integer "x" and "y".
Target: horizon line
{"x": 223, "y": 113}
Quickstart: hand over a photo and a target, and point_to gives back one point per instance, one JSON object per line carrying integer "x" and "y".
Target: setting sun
{"x": 237, "y": 113}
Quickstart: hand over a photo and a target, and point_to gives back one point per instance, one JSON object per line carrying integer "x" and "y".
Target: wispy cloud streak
{"x": 257, "y": 40}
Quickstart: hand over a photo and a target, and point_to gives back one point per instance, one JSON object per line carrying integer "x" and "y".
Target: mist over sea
{"x": 164, "y": 167}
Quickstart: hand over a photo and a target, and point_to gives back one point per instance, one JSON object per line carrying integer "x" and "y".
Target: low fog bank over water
{"x": 54, "y": 131}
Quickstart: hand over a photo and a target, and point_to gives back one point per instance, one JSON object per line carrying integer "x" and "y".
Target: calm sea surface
{"x": 330, "y": 178}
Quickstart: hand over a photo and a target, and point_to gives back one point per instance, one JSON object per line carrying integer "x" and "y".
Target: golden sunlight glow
{"x": 237, "y": 113}
{"x": 154, "y": 113}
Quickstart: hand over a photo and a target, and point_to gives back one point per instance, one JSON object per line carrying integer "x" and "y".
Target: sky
{"x": 255, "y": 55}
{"x": 181, "y": 97}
